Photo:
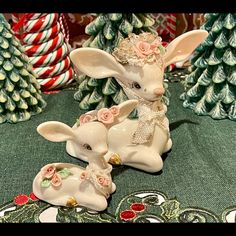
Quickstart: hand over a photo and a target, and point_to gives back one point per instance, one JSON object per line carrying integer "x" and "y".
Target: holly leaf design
{"x": 170, "y": 209}
{"x": 45, "y": 183}
{"x": 64, "y": 173}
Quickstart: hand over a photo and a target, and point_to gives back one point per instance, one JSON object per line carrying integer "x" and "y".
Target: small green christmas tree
{"x": 106, "y": 31}
{"x": 20, "y": 97}
{"x": 211, "y": 85}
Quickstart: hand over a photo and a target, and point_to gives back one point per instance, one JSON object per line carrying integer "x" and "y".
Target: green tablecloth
{"x": 197, "y": 182}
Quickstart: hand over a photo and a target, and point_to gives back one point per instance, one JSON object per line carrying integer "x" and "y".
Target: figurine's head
{"x": 89, "y": 135}
{"x": 138, "y": 62}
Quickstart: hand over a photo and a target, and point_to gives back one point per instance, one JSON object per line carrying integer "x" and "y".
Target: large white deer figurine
{"x": 68, "y": 184}
{"x": 138, "y": 65}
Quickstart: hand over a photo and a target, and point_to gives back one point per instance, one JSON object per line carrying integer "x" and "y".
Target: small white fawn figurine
{"x": 138, "y": 65}
{"x": 71, "y": 185}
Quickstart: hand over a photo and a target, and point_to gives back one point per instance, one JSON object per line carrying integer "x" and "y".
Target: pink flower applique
{"x": 83, "y": 175}
{"x": 56, "y": 180}
{"x": 48, "y": 171}
{"x": 105, "y": 116}
{"x": 115, "y": 110}
{"x": 85, "y": 118}
{"x": 103, "y": 181}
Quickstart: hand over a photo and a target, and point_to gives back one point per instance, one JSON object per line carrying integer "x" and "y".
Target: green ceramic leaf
{"x": 232, "y": 78}
{"x": 8, "y": 66}
{"x": 45, "y": 183}
{"x": 24, "y": 72}
{"x": 218, "y": 111}
{"x": 229, "y": 21}
{"x": 93, "y": 27}
{"x": 16, "y": 61}
{"x": 9, "y": 86}
{"x": 118, "y": 38}
{"x": 10, "y": 105}
{"x": 215, "y": 57}
{"x": 219, "y": 75}
{"x": 232, "y": 112}
{"x": 15, "y": 96}
{"x": 78, "y": 95}
{"x": 110, "y": 86}
{"x": 2, "y": 75}
{"x": 195, "y": 91}
{"x": 212, "y": 94}
{"x": 32, "y": 101}
{"x": 136, "y": 22}
{"x": 192, "y": 78}
{"x": 109, "y": 31}
{"x": 84, "y": 105}
{"x": 22, "y": 104}
{"x": 115, "y": 16}
{"x": 84, "y": 86}
{"x": 4, "y": 43}
{"x": 146, "y": 20}
{"x": 105, "y": 102}
{"x": 25, "y": 94}
{"x": 6, "y": 54}
{"x": 125, "y": 27}
{"x": 14, "y": 77}
{"x": 119, "y": 97}
{"x": 187, "y": 104}
{"x": 232, "y": 39}
{"x": 93, "y": 82}
{"x": 6, "y": 34}
{"x": 200, "y": 107}
{"x": 209, "y": 41}
{"x": 31, "y": 88}
{"x": 221, "y": 41}
{"x": 201, "y": 62}
{"x": 217, "y": 26}
{"x": 64, "y": 173}
{"x": 96, "y": 96}
{"x": 98, "y": 42}
{"x": 1, "y": 60}
{"x": 228, "y": 94}
{"x": 205, "y": 78}
{"x": 3, "y": 96}
{"x": 229, "y": 57}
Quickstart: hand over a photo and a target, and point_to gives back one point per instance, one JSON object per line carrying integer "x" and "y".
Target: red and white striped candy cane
{"x": 49, "y": 71}
{"x": 43, "y": 48}
{"x": 50, "y": 58}
{"x": 171, "y": 25}
{"x": 57, "y": 81}
{"x": 41, "y": 23}
{"x": 41, "y": 37}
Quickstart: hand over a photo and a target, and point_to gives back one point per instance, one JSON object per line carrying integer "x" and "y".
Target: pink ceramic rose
{"x": 105, "y": 116}
{"x": 115, "y": 110}
{"x": 143, "y": 49}
{"x": 48, "y": 171}
{"x": 103, "y": 181}
{"x": 56, "y": 180}
{"x": 85, "y": 118}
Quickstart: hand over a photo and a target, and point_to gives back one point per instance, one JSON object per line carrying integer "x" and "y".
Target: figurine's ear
{"x": 96, "y": 63}
{"x": 182, "y": 47}
{"x": 125, "y": 109}
{"x": 56, "y": 131}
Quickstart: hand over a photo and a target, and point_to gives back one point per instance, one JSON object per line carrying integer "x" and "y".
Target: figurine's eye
{"x": 136, "y": 85}
{"x": 86, "y": 146}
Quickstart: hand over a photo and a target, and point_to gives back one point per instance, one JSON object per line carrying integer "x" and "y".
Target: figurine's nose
{"x": 159, "y": 91}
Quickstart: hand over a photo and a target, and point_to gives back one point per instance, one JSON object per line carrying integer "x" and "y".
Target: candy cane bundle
{"x": 46, "y": 46}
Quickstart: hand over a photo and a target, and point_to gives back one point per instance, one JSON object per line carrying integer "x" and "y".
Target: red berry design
{"x": 127, "y": 215}
{"x": 21, "y": 199}
{"x": 33, "y": 197}
{"x": 138, "y": 207}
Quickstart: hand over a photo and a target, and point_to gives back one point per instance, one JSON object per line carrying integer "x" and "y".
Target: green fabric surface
{"x": 199, "y": 171}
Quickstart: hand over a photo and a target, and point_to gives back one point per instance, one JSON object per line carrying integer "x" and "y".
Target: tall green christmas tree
{"x": 210, "y": 88}
{"x": 20, "y": 95}
{"x": 106, "y": 31}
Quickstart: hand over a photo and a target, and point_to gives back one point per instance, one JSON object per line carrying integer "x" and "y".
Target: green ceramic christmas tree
{"x": 211, "y": 85}
{"x": 106, "y": 32}
{"x": 20, "y": 97}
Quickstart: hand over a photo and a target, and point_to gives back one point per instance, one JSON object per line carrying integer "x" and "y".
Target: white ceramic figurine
{"x": 68, "y": 184}
{"x": 138, "y": 65}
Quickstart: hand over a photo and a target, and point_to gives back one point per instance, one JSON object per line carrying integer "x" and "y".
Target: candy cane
{"x": 41, "y": 49}
{"x": 41, "y": 37}
{"x": 50, "y": 58}
{"x": 57, "y": 81}
{"x": 48, "y": 71}
{"x": 41, "y": 23}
